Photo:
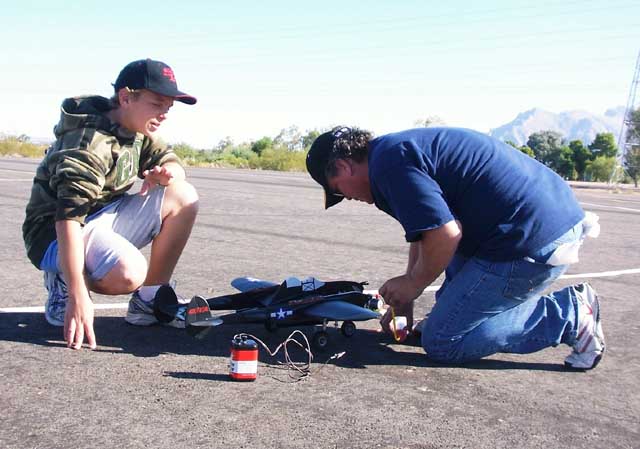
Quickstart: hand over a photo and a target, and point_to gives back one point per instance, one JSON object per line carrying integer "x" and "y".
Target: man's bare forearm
{"x": 433, "y": 253}
{"x": 414, "y": 250}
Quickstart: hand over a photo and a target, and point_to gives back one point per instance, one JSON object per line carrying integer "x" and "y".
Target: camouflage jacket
{"x": 92, "y": 162}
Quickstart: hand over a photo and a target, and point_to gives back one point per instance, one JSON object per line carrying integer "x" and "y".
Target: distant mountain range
{"x": 573, "y": 125}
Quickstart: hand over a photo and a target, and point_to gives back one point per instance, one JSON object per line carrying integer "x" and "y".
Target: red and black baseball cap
{"x": 152, "y": 75}
{"x": 321, "y": 152}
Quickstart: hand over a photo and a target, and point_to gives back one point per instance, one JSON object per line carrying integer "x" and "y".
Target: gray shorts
{"x": 114, "y": 232}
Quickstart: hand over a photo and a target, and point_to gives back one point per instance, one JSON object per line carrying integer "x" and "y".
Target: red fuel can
{"x": 244, "y": 358}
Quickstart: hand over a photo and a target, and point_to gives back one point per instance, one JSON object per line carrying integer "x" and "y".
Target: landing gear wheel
{"x": 320, "y": 340}
{"x": 348, "y": 328}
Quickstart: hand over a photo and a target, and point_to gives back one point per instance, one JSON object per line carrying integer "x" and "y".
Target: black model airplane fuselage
{"x": 291, "y": 303}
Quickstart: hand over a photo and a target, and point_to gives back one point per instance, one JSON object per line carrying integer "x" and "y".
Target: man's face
{"x": 351, "y": 181}
{"x": 145, "y": 113}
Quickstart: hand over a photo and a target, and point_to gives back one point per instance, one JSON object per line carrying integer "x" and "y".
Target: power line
{"x": 354, "y": 28}
{"x": 625, "y": 140}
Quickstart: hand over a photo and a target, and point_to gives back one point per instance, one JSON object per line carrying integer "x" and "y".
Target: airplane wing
{"x": 340, "y": 311}
{"x": 246, "y": 283}
{"x": 289, "y": 288}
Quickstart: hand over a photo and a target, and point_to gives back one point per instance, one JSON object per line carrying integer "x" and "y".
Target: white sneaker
{"x": 56, "y": 305}
{"x": 589, "y": 345}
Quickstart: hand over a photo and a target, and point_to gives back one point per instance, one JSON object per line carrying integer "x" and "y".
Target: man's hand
{"x": 399, "y": 293}
{"x": 405, "y": 311}
{"x": 157, "y": 175}
{"x": 78, "y": 322}
{"x": 428, "y": 258}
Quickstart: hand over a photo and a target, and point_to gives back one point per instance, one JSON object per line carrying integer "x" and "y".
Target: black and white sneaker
{"x": 589, "y": 345}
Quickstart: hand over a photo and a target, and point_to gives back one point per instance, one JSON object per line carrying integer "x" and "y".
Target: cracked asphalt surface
{"x": 158, "y": 387}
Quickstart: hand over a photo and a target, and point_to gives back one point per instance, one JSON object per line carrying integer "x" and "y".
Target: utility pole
{"x": 630, "y": 130}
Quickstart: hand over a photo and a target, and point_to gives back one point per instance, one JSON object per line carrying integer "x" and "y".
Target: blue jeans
{"x": 488, "y": 307}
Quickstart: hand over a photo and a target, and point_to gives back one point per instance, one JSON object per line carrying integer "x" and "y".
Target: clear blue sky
{"x": 257, "y": 67}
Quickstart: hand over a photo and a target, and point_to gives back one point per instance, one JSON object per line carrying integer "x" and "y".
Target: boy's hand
{"x": 78, "y": 323}
{"x": 157, "y": 175}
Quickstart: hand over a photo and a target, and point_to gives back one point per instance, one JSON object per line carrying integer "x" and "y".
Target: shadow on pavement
{"x": 198, "y": 376}
{"x": 365, "y": 348}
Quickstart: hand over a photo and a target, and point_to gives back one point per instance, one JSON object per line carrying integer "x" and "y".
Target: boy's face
{"x": 144, "y": 112}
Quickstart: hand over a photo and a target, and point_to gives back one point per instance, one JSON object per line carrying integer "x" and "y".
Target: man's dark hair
{"x": 349, "y": 143}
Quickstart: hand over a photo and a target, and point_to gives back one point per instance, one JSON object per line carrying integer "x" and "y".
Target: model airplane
{"x": 292, "y": 303}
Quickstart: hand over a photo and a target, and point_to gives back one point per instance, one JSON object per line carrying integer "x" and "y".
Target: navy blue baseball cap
{"x": 321, "y": 152}
{"x": 152, "y": 75}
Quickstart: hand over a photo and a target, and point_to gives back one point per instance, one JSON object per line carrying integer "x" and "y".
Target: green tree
{"x": 281, "y": 159}
{"x": 186, "y": 152}
{"x": 290, "y": 137}
{"x": 224, "y": 144}
{"x": 632, "y": 163}
{"x": 308, "y": 138}
{"x": 543, "y": 144}
{"x": 512, "y": 143}
{"x": 560, "y": 160}
{"x": 633, "y": 127}
{"x": 600, "y": 168}
{"x": 581, "y": 155}
{"x": 523, "y": 148}
{"x": 604, "y": 145}
{"x": 242, "y": 151}
{"x": 260, "y": 145}
{"x": 526, "y": 150}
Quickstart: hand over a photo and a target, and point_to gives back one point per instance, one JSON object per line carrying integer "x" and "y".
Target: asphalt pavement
{"x": 158, "y": 387}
